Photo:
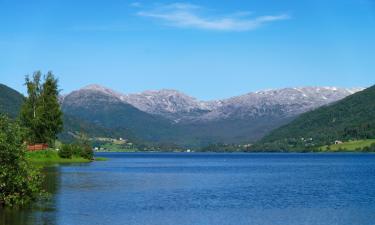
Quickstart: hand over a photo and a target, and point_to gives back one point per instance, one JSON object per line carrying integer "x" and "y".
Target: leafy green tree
{"x": 28, "y": 115}
{"x": 49, "y": 109}
{"x": 41, "y": 113}
{"x": 20, "y": 183}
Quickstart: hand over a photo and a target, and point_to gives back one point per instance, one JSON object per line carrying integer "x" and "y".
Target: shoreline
{"x": 50, "y": 157}
{"x": 247, "y": 152}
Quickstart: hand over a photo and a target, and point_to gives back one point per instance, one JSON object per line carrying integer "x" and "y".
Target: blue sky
{"x": 208, "y": 49}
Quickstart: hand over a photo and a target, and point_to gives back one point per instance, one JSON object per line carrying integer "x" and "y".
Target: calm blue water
{"x": 212, "y": 189}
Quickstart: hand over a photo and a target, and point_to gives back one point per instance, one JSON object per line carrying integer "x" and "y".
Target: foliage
{"x": 20, "y": 183}
{"x": 41, "y": 113}
{"x": 370, "y": 148}
{"x": 352, "y": 118}
{"x": 86, "y": 150}
{"x": 66, "y": 151}
{"x": 80, "y": 149}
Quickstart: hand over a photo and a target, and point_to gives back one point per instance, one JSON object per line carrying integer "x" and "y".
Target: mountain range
{"x": 169, "y": 116}
{"x": 289, "y": 118}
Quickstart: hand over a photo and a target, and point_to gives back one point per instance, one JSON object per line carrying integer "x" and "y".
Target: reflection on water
{"x": 209, "y": 189}
{"x": 42, "y": 212}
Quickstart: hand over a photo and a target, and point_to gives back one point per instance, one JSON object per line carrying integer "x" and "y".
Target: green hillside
{"x": 73, "y": 126}
{"x": 352, "y": 118}
{"x": 10, "y": 101}
{"x": 121, "y": 117}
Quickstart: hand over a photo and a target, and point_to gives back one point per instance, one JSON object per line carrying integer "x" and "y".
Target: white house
{"x": 337, "y": 142}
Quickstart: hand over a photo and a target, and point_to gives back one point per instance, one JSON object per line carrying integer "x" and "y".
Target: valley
{"x": 168, "y": 120}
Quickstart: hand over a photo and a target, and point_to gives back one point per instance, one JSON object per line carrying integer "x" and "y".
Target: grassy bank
{"x": 51, "y": 157}
{"x": 349, "y": 146}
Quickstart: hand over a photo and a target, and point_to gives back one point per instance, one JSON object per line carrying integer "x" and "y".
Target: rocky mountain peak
{"x": 101, "y": 89}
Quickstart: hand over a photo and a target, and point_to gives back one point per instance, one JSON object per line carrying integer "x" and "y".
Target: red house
{"x": 37, "y": 147}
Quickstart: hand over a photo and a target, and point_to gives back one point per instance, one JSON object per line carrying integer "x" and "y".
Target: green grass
{"x": 349, "y": 146}
{"x": 51, "y": 157}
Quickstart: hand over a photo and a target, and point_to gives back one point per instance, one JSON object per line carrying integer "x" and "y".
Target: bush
{"x": 372, "y": 147}
{"x": 369, "y": 148}
{"x": 366, "y": 149}
{"x": 66, "y": 151}
{"x": 76, "y": 149}
{"x": 86, "y": 148}
{"x": 20, "y": 183}
{"x": 85, "y": 151}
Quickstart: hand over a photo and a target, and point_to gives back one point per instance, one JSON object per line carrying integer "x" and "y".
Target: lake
{"x": 208, "y": 189}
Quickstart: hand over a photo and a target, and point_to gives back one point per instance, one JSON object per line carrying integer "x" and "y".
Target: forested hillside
{"x": 10, "y": 101}
{"x": 352, "y": 118}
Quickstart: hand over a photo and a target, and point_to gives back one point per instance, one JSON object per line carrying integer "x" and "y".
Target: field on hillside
{"x": 350, "y": 146}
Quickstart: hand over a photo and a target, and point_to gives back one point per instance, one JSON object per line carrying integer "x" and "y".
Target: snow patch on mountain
{"x": 179, "y": 107}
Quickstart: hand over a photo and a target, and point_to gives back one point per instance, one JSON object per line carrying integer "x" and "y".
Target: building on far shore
{"x": 337, "y": 142}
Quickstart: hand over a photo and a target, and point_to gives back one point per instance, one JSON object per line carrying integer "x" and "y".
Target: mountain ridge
{"x": 178, "y": 106}
{"x": 172, "y": 116}
{"x": 351, "y": 118}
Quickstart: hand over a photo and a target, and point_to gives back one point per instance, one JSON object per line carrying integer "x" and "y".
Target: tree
{"x": 41, "y": 113}
{"x": 49, "y": 109}
{"x": 28, "y": 114}
{"x": 20, "y": 183}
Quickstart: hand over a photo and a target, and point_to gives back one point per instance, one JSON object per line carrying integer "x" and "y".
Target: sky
{"x": 208, "y": 49}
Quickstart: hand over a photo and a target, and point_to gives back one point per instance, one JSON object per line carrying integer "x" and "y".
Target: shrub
{"x": 372, "y": 147}
{"x": 20, "y": 183}
{"x": 83, "y": 150}
{"x": 87, "y": 152}
{"x": 66, "y": 151}
{"x": 86, "y": 148}
{"x": 76, "y": 149}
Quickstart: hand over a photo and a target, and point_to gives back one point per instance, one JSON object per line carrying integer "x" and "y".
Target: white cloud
{"x": 190, "y": 16}
{"x": 136, "y": 4}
